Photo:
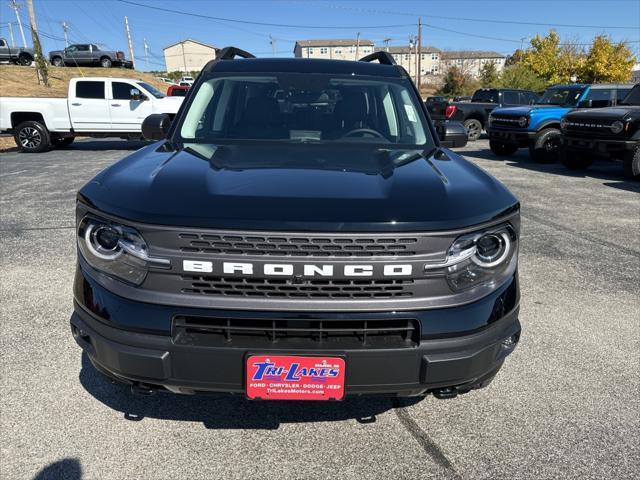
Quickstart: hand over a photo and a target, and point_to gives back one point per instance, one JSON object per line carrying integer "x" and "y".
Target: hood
{"x": 609, "y": 113}
{"x": 167, "y": 104}
{"x": 531, "y": 110}
{"x": 299, "y": 187}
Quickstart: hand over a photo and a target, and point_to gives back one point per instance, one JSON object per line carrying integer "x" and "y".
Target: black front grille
{"x": 290, "y": 288}
{"x": 508, "y": 121}
{"x": 297, "y": 246}
{"x": 314, "y": 334}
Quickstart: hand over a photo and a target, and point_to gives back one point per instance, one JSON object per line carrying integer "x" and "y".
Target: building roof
{"x": 407, "y": 49}
{"x": 190, "y": 40}
{"x": 470, "y": 54}
{"x": 329, "y": 42}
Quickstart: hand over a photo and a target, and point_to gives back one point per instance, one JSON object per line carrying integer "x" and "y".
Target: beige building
{"x": 408, "y": 58}
{"x": 188, "y": 55}
{"x": 471, "y": 61}
{"x": 347, "y": 49}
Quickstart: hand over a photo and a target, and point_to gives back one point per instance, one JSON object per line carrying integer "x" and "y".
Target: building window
{"x": 337, "y": 50}
{"x": 434, "y": 69}
{"x": 366, "y": 50}
{"x": 406, "y": 57}
{"x": 434, "y": 56}
{"x": 459, "y": 61}
{"x": 323, "y": 50}
{"x": 310, "y": 51}
{"x": 422, "y": 57}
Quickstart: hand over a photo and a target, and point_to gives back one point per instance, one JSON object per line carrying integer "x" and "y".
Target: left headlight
{"x": 485, "y": 257}
{"x": 114, "y": 249}
{"x": 616, "y": 127}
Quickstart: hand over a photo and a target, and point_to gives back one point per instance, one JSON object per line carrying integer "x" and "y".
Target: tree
{"x": 607, "y": 61}
{"x": 515, "y": 58}
{"x": 453, "y": 82}
{"x": 41, "y": 65}
{"x": 489, "y": 74}
{"x": 521, "y": 77}
{"x": 552, "y": 61}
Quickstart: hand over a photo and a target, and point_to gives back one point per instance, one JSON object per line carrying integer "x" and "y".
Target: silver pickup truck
{"x": 87, "y": 54}
{"x": 17, "y": 55}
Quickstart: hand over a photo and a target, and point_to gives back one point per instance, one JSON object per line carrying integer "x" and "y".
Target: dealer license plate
{"x": 285, "y": 377}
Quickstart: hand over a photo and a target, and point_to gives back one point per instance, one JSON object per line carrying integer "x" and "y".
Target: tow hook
{"x": 445, "y": 393}
{"x": 141, "y": 389}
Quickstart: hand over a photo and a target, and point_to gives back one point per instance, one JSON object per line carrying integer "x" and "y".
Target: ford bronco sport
{"x": 297, "y": 232}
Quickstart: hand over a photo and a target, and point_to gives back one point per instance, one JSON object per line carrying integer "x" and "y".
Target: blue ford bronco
{"x": 538, "y": 126}
{"x": 298, "y": 232}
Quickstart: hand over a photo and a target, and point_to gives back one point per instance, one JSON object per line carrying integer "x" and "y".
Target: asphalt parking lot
{"x": 566, "y": 403}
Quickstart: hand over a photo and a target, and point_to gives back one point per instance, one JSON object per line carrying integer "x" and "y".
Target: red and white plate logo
{"x": 284, "y": 377}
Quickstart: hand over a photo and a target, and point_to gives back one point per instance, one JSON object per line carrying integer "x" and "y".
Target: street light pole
{"x": 13, "y": 42}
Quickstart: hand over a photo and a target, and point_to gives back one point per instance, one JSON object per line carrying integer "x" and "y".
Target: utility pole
{"x": 126, "y": 27}
{"x": 65, "y": 27}
{"x": 357, "y": 46}
{"x": 41, "y": 65}
{"x": 272, "y": 42}
{"x": 386, "y": 43}
{"x": 16, "y": 7}
{"x": 184, "y": 60}
{"x": 410, "y": 52}
{"x": 419, "y": 72}
{"x": 146, "y": 54}
{"x": 13, "y": 42}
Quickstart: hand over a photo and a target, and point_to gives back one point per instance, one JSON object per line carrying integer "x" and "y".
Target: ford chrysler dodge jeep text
{"x": 298, "y": 232}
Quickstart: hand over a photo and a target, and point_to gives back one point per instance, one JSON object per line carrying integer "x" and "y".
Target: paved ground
{"x": 565, "y": 405}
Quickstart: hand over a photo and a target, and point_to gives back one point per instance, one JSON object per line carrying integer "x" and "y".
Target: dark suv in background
{"x": 611, "y": 132}
{"x": 87, "y": 54}
{"x": 475, "y": 113}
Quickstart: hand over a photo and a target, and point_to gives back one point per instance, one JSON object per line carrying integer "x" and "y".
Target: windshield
{"x": 564, "y": 96}
{"x": 633, "y": 97}
{"x": 309, "y": 108}
{"x": 487, "y": 96}
{"x": 152, "y": 90}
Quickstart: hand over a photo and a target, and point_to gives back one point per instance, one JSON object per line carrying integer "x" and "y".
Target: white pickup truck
{"x": 95, "y": 107}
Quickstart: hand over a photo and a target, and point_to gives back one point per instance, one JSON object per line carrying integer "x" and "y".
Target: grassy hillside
{"x": 22, "y": 82}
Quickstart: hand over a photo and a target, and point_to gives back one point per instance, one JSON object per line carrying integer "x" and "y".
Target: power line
{"x": 264, "y": 24}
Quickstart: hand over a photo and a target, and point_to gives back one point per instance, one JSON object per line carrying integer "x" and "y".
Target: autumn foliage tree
{"x": 552, "y": 61}
{"x": 607, "y": 62}
{"x": 489, "y": 74}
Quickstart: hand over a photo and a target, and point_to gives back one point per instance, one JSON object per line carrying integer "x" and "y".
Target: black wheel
{"x": 631, "y": 162}
{"x": 546, "y": 147}
{"x": 474, "y": 128}
{"x": 57, "y": 62}
{"x": 61, "y": 142}
{"x": 575, "y": 160}
{"x": 25, "y": 59}
{"x": 32, "y": 137}
{"x": 502, "y": 149}
{"x": 105, "y": 62}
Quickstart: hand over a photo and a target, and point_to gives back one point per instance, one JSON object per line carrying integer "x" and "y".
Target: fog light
{"x": 511, "y": 342}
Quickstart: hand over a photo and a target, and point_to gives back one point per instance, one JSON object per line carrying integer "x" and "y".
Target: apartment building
{"x": 408, "y": 58}
{"x": 341, "y": 49}
{"x": 188, "y": 55}
{"x": 471, "y": 61}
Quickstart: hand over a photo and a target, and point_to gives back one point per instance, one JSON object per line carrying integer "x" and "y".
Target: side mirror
{"x": 156, "y": 126}
{"x": 532, "y": 102}
{"x": 135, "y": 94}
{"x": 452, "y": 134}
{"x": 585, "y": 104}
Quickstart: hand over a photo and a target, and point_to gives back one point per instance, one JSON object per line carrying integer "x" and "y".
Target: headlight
{"x": 114, "y": 249}
{"x": 617, "y": 126}
{"x": 563, "y": 123}
{"x": 488, "y": 256}
{"x": 523, "y": 121}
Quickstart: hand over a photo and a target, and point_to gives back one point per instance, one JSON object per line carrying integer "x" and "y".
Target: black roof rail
{"x": 229, "y": 53}
{"x": 383, "y": 57}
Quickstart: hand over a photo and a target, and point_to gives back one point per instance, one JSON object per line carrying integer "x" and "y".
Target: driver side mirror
{"x": 585, "y": 104}
{"x": 156, "y": 126}
{"x": 135, "y": 94}
{"x": 452, "y": 134}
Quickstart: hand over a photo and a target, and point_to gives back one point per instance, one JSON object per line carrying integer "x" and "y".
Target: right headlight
{"x": 479, "y": 258}
{"x": 616, "y": 127}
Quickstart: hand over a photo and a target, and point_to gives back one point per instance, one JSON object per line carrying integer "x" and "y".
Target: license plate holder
{"x": 294, "y": 377}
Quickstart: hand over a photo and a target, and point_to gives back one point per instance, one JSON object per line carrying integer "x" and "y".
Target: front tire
{"x": 105, "y": 62}
{"x": 574, "y": 160}
{"x": 57, "y": 62}
{"x": 502, "y": 149}
{"x": 631, "y": 163}
{"x": 474, "y": 129}
{"x": 546, "y": 147}
{"x": 25, "y": 59}
{"x": 32, "y": 137}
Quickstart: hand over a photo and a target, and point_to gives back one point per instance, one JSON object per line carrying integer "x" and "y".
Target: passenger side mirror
{"x": 452, "y": 134}
{"x": 156, "y": 126}
{"x": 585, "y": 104}
{"x": 532, "y": 101}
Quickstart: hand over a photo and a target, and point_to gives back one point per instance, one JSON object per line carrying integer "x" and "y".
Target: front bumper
{"x": 522, "y": 138}
{"x": 459, "y": 348}
{"x": 606, "y": 146}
